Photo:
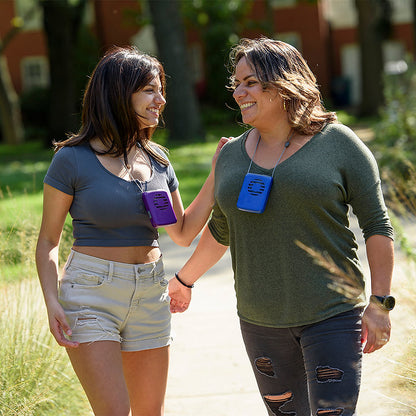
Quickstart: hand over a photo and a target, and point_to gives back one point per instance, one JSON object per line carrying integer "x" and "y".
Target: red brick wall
{"x": 306, "y": 20}
{"x": 404, "y": 32}
{"x": 25, "y": 43}
{"x": 115, "y": 23}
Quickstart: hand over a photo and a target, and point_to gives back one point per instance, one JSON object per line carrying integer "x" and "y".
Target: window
{"x": 35, "y": 72}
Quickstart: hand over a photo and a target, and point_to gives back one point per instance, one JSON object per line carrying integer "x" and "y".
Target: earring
{"x": 284, "y": 105}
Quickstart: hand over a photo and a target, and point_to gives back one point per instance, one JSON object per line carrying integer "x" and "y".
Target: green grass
{"x": 19, "y": 224}
{"x": 35, "y": 375}
{"x": 17, "y": 211}
{"x": 192, "y": 164}
{"x": 22, "y": 168}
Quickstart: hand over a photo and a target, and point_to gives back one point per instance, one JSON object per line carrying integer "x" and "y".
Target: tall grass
{"x": 401, "y": 196}
{"x": 20, "y": 218}
{"x": 36, "y": 377}
{"x": 404, "y": 383}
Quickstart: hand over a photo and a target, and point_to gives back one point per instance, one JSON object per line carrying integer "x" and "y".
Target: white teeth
{"x": 246, "y": 105}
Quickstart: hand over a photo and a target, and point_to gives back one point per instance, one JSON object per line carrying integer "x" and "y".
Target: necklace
{"x": 255, "y": 190}
{"x": 136, "y": 181}
{"x": 133, "y": 159}
{"x": 128, "y": 168}
{"x": 286, "y": 145}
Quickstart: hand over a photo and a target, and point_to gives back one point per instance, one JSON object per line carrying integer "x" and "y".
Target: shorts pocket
{"x": 76, "y": 277}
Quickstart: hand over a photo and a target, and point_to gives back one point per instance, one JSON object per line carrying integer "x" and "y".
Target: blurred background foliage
{"x": 74, "y": 45}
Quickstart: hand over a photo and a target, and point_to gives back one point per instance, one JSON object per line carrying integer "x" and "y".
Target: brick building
{"x": 325, "y": 32}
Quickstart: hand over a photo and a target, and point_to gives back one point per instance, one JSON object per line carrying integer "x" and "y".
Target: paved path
{"x": 210, "y": 374}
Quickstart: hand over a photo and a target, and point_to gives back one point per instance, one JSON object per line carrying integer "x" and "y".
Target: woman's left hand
{"x": 221, "y": 143}
{"x": 376, "y": 328}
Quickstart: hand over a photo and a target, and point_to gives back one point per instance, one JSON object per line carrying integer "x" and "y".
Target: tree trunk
{"x": 182, "y": 110}
{"x": 61, "y": 22}
{"x": 10, "y": 115}
{"x": 371, "y": 15}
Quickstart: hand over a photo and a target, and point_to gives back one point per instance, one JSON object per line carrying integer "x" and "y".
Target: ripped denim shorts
{"x": 110, "y": 301}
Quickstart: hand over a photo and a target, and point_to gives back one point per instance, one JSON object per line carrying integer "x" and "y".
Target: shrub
{"x": 395, "y": 134}
{"x": 35, "y": 105}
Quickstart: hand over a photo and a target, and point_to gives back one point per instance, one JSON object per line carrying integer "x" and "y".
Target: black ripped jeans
{"x": 308, "y": 370}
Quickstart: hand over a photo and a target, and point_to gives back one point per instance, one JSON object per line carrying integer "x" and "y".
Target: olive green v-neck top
{"x": 277, "y": 283}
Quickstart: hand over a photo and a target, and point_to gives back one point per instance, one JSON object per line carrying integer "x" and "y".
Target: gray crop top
{"x": 106, "y": 211}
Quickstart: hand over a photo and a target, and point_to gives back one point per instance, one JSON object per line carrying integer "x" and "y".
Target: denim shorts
{"x": 110, "y": 301}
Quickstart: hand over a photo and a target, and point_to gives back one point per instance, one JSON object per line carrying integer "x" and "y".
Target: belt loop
{"x": 158, "y": 265}
{"x": 154, "y": 268}
{"x": 69, "y": 259}
{"x": 110, "y": 271}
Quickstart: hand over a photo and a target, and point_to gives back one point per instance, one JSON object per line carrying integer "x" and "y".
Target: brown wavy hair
{"x": 107, "y": 111}
{"x": 280, "y": 66}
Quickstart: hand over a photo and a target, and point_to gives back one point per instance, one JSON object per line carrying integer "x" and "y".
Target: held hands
{"x": 376, "y": 328}
{"x": 59, "y": 327}
{"x": 180, "y": 296}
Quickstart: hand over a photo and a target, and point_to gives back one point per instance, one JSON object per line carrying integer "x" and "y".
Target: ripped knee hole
{"x": 326, "y": 374}
{"x": 265, "y": 366}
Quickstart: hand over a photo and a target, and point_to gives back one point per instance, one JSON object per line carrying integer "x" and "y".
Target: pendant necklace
{"x": 256, "y": 187}
{"x": 157, "y": 203}
{"x": 128, "y": 168}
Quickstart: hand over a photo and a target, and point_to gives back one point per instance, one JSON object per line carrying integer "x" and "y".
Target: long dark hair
{"x": 107, "y": 111}
{"x": 279, "y": 65}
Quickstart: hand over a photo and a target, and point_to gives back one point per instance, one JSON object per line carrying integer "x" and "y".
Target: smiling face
{"x": 148, "y": 102}
{"x": 259, "y": 107}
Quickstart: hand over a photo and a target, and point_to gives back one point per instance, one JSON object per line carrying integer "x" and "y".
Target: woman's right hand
{"x": 180, "y": 296}
{"x": 58, "y": 325}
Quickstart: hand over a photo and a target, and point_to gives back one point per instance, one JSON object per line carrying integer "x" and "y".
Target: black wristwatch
{"x": 385, "y": 302}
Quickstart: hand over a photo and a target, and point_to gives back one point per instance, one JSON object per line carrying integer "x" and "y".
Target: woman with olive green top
{"x": 307, "y": 203}
{"x": 304, "y": 339}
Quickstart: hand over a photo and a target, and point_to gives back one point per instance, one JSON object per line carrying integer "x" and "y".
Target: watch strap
{"x": 387, "y": 302}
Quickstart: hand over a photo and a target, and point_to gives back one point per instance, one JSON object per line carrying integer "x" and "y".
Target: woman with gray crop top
{"x": 110, "y": 309}
{"x": 282, "y": 189}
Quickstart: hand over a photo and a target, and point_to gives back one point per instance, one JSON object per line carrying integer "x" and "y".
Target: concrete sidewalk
{"x": 210, "y": 374}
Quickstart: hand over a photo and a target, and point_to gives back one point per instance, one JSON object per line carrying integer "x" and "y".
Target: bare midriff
{"x": 130, "y": 255}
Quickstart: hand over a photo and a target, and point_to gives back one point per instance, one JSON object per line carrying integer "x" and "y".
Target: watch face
{"x": 389, "y": 302}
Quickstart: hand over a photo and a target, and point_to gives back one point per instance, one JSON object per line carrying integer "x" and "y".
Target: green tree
{"x": 182, "y": 112}
{"x": 10, "y": 114}
{"x": 374, "y": 25}
{"x": 62, "y": 21}
{"x": 219, "y": 24}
